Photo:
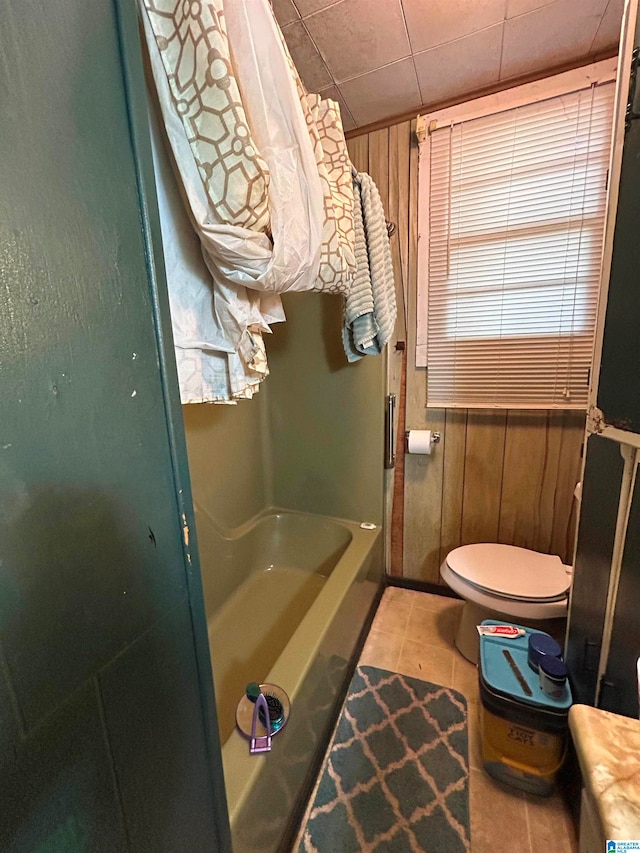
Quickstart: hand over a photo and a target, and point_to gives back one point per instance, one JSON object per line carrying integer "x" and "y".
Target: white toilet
{"x": 506, "y": 583}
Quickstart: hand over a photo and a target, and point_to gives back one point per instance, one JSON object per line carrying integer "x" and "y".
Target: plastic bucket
{"x": 523, "y": 731}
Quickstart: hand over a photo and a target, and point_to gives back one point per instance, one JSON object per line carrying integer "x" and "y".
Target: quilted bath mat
{"x": 396, "y": 775}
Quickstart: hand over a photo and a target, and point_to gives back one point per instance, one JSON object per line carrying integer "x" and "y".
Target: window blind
{"x": 516, "y": 217}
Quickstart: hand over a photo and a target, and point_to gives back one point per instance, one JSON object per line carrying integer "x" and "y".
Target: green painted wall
{"x": 312, "y": 440}
{"x": 228, "y": 459}
{"x": 326, "y": 416}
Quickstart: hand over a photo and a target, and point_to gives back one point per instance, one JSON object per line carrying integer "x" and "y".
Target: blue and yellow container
{"x": 523, "y": 731}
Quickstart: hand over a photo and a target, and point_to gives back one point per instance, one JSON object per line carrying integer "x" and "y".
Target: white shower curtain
{"x": 283, "y": 115}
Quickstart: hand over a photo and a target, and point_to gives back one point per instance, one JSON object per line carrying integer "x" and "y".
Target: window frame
{"x": 541, "y": 90}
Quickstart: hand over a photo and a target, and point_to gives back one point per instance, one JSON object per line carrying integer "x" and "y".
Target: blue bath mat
{"x": 396, "y": 777}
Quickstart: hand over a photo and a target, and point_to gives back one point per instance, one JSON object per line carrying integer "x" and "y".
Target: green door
{"x": 108, "y": 738}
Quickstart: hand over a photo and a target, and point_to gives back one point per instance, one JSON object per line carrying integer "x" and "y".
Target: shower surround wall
{"x": 312, "y": 439}
{"x": 226, "y": 460}
{"x": 326, "y": 417}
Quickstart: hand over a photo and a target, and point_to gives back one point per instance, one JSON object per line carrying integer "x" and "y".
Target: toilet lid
{"x": 511, "y": 572}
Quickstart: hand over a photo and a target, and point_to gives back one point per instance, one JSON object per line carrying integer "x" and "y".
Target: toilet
{"x": 506, "y": 583}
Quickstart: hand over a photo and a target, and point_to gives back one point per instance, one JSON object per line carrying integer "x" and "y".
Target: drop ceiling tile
{"x": 308, "y": 7}
{"x": 308, "y": 61}
{"x": 336, "y": 95}
{"x": 358, "y": 36}
{"x": 382, "y": 93}
{"x": 348, "y": 123}
{"x": 461, "y": 66}
{"x": 285, "y": 11}
{"x": 608, "y": 34}
{"x": 439, "y": 21}
{"x": 521, "y": 7}
{"x": 550, "y": 36}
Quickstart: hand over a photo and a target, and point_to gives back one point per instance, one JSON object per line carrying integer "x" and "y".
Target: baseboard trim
{"x": 421, "y": 586}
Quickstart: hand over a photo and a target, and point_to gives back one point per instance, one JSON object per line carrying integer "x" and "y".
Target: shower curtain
{"x": 265, "y": 197}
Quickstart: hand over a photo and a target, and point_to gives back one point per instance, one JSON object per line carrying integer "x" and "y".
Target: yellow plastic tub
{"x": 520, "y": 755}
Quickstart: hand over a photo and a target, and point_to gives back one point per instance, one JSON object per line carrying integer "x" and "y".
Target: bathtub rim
{"x": 231, "y": 534}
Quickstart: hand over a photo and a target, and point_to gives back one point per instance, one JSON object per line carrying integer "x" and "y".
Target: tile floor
{"x": 413, "y": 633}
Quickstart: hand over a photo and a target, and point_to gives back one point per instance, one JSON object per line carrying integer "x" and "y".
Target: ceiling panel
{"x": 544, "y": 38}
{"x": 308, "y": 7}
{"x": 440, "y": 21}
{"x": 521, "y": 7}
{"x": 286, "y": 12}
{"x": 357, "y": 36}
{"x": 304, "y": 53}
{"x": 383, "y": 58}
{"x": 348, "y": 122}
{"x": 385, "y": 91}
{"x": 461, "y": 66}
{"x": 609, "y": 30}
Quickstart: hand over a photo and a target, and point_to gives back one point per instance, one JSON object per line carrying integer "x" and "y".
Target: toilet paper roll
{"x": 420, "y": 441}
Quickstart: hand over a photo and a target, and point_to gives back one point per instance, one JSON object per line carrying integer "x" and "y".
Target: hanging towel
{"x": 370, "y": 305}
{"x": 359, "y": 300}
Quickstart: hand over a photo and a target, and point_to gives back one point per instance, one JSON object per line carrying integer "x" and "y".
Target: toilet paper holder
{"x": 435, "y": 438}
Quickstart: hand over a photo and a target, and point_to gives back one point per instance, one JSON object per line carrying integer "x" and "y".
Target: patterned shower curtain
{"x": 264, "y": 173}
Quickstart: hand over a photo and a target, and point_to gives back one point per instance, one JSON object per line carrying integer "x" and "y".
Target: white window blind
{"x": 516, "y": 204}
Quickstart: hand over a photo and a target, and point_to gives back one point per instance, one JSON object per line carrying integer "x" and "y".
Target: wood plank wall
{"x": 496, "y": 476}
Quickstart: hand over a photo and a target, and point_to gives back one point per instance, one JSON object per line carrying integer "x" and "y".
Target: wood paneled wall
{"x": 496, "y": 476}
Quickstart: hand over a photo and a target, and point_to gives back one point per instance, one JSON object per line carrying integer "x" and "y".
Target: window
{"x": 511, "y": 219}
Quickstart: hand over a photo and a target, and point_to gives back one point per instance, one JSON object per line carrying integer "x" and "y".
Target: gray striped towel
{"x": 370, "y": 305}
